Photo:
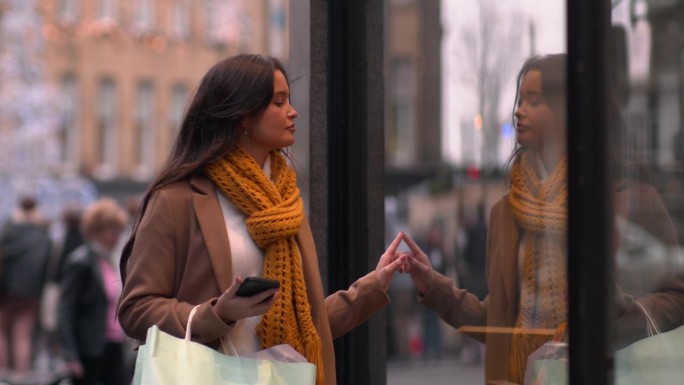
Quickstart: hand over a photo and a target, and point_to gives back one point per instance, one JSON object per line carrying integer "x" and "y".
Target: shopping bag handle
{"x": 226, "y": 344}
{"x": 651, "y": 326}
{"x": 188, "y": 327}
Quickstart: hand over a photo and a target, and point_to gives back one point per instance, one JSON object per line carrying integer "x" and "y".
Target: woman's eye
{"x": 279, "y": 103}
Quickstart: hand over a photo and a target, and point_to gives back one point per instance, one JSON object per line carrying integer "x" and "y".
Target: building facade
{"x": 125, "y": 70}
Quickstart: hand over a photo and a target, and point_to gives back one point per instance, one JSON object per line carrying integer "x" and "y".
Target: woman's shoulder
{"x": 501, "y": 205}
{"x": 501, "y": 217}
{"x": 184, "y": 188}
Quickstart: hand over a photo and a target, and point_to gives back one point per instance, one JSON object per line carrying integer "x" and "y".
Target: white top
{"x": 247, "y": 261}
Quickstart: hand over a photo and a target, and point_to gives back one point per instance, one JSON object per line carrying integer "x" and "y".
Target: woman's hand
{"x": 231, "y": 307}
{"x": 420, "y": 267}
{"x": 390, "y": 262}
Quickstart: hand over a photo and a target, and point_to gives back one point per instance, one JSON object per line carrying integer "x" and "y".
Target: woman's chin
{"x": 526, "y": 142}
{"x": 288, "y": 142}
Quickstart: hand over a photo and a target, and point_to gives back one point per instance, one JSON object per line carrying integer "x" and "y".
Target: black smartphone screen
{"x": 255, "y": 285}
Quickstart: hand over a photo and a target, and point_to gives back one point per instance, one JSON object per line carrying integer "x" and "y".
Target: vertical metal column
{"x": 590, "y": 209}
{"x": 355, "y": 173}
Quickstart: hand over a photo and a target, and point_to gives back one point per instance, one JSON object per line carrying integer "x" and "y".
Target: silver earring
{"x": 245, "y": 132}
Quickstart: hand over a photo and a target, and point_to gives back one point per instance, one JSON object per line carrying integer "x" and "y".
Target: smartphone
{"x": 255, "y": 285}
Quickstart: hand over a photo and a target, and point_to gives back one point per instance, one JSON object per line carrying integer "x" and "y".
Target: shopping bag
{"x": 548, "y": 365}
{"x": 657, "y": 359}
{"x": 168, "y": 360}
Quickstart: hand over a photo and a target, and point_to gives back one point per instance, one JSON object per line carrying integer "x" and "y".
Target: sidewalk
{"x": 448, "y": 371}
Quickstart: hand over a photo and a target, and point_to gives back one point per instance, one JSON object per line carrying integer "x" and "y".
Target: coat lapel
{"x": 213, "y": 227}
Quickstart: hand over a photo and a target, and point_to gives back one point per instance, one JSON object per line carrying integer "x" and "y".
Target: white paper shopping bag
{"x": 168, "y": 360}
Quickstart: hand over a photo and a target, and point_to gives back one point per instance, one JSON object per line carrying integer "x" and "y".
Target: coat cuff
{"x": 435, "y": 295}
{"x": 207, "y": 325}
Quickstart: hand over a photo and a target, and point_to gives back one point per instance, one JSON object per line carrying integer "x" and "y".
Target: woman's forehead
{"x": 531, "y": 81}
{"x": 279, "y": 83}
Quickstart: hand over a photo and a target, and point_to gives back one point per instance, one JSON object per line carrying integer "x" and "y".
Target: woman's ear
{"x": 243, "y": 125}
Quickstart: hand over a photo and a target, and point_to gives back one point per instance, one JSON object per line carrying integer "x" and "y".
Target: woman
{"x": 90, "y": 288}
{"x": 527, "y": 241}
{"x": 226, "y": 206}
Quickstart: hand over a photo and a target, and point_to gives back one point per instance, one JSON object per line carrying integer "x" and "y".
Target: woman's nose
{"x": 518, "y": 113}
{"x": 293, "y": 113}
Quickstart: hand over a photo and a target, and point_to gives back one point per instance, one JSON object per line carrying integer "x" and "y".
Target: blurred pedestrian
{"x": 432, "y": 333}
{"x": 72, "y": 239}
{"x": 472, "y": 276}
{"x": 24, "y": 249}
{"x": 90, "y": 289}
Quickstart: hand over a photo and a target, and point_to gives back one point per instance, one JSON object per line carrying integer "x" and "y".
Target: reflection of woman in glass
{"x": 526, "y": 241}
{"x": 226, "y": 206}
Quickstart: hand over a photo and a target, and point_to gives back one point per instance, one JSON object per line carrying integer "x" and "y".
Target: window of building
{"x": 277, "y": 35}
{"x": 107, "y": 141}
{"x": 144, "y": 130}
{"x": 68, "y": 11}
{"x": 210, "y": 15}
{"x": 69, "y": 128}
{"x": 222, "y": 21}
{"x": 180, "y": 20}
{"x": 402, "y": 107}
{"x": 179, "y": 100}
{"x": 144, "y": 15}
{"x": 106, "y": 10}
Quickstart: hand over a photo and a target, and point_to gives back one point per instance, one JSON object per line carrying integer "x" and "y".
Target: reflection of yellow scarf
{"x": 274, "y": 213}
{"x": 540, "y": 208}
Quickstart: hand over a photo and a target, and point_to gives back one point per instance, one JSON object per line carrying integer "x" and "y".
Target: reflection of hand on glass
{"x": 390, "y": 262}
{"x": 420, "y": 267}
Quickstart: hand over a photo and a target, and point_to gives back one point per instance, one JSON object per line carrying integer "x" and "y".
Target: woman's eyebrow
{"x": 531, "y": 93}
{"x": 280, "y": 93}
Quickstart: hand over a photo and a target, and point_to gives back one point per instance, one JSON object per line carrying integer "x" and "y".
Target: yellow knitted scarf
{"x": 540, "y": 208}
{"x": 274, "y": 213}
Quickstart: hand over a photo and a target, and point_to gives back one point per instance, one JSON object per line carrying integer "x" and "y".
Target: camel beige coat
{"x": 181, "y": 258}
{"x": 498, "y": 311}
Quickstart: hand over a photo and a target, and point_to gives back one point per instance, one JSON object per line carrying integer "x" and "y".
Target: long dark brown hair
{"x": 234, "y": 89}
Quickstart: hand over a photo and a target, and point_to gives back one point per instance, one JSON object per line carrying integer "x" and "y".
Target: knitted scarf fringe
{"x": 274, "y": 213}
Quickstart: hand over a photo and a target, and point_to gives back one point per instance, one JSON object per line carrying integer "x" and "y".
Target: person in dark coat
{"x": 72, "y": 235}
{"x": 472, "y": 276}
{"x": 90, "y": 335}
{"x": 24, "y": 249}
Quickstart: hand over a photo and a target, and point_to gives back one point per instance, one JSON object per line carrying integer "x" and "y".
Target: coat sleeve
{"x": 148, "y": 296}
{"x": 349, "y": 308}
{"x": 666, "y": 305}
{"x": 666, "y": 302}
{"x": 457, "y": 306}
